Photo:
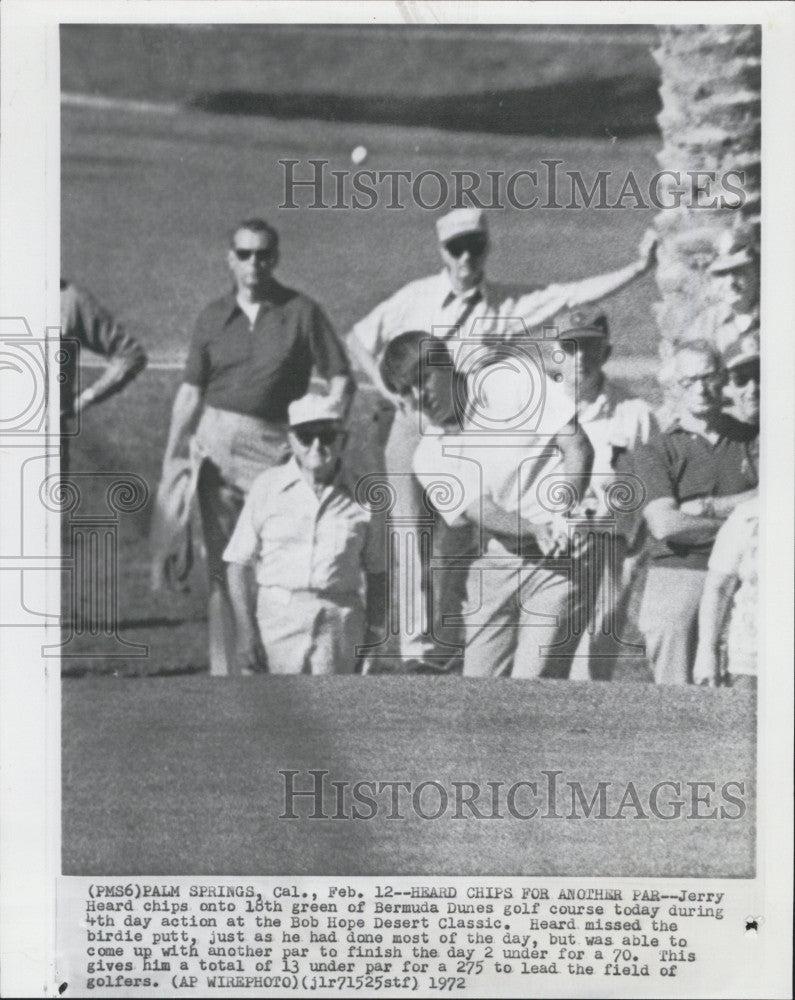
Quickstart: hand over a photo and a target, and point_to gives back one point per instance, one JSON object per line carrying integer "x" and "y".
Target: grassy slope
{"x": 202, "y": 756}
{"x": 176, "y": 63}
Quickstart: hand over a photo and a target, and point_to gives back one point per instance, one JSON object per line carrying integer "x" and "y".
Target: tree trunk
{"x": 710, "y": 121}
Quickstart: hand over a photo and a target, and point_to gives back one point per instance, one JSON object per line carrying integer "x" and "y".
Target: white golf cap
{"x": 743, "y": 350}
{"x": 460, "y": 222}
{"x": 313, "y": 409}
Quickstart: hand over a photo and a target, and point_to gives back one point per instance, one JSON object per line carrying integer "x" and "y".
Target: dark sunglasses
{"x": 476, "y": 245}
{"x": 743, "y": 375}
{"x": 325, "y": 435}
{"x": 259, "y": 255}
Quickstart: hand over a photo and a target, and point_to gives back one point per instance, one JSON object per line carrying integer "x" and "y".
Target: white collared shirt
{"x": 503, "y": 312}
{"x": 301, "y": 540}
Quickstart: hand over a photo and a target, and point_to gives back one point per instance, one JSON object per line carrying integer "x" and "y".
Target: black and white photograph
{"x": 401, "y": 490}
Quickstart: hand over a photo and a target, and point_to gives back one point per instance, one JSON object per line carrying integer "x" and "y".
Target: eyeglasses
{"x": 476, "y": 245}
{"x": 258, "y": 255}
{"x": 325, "y": 435}
{"x": 712, "y": 380}
{"x": 744, "y": 374}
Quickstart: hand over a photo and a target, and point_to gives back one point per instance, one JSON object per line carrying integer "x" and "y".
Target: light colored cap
{"x": 313, "y": 409}
{"x": 732, "y": 254}
{"x": 460, "y": 222}
{"x": 585, "y": 326}
{"x": 742, "y": 350}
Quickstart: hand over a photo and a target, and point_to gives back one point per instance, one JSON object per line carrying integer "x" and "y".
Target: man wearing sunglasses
{"x": 459, "y": 302}
{"x": 317, "y": 553}
{"x": 253, "y": 352}
{"x": 736, "y": 312}
{"x": 695, "y": 473}
{"x": 741, "y": 361}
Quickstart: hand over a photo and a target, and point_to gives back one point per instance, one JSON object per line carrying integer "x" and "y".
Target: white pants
{"x": 307, "y": 633}
{"x": 669, "y": 621}
{"x": 518, "y": 617}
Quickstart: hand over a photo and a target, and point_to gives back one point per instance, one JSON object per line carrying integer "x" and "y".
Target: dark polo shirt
{"x": 685, "y": 466}
{"x": 259, "y": 370}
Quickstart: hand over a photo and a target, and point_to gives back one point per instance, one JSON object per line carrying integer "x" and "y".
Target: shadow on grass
{"x": 616, "y": 106}
{"x": 109, "y": 669}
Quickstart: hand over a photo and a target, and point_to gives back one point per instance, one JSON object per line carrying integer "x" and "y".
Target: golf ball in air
{"x": 359, "y": 154}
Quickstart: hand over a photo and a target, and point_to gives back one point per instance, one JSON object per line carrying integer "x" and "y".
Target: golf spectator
{"x": 737, "y": 311}
{"x": 729, "y": 610}
{"x": 94, "y": 329}
{"x": 521, "y": 589}
{"x": 695, "y": 473}
{"x": 312, "y": 544}
{"x": 253, "y": 352}
{"x": 616, "y": 424}
{"x": 742, "y": 363}
{"x": 459, "y": 302}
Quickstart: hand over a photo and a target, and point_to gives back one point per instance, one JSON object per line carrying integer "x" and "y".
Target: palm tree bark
{"x": 710, "y": 121}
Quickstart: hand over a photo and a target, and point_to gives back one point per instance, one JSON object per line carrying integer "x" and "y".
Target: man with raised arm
{"x": 460, "y": 302}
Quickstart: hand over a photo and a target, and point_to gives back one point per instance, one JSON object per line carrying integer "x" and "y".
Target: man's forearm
{"x": 486, "y": 514}
{"x": 184, "y": 416}
{"x": 723, "y": 506}
{"x": 577, "y": 452}
{"x": 602, "y": 285}
{"x": 368, "y": 365}
{"x": 119, "y": 372}
{"x": 686, "y": 529}
{"x": 241, "y": 597}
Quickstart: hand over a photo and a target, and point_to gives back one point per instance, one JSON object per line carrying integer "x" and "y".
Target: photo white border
{"x": 29, "y": 262}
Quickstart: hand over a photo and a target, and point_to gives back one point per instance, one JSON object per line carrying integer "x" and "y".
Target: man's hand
{"x": 553, "y": 537}
{"x": 86, "y": 398}
{"x": 249, "y": 654}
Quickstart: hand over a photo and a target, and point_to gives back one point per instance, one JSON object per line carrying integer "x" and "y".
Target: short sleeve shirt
{"x": 259, "y": 368}
{"x": 304, "y": 542}
{"x": 686, "y": 466}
